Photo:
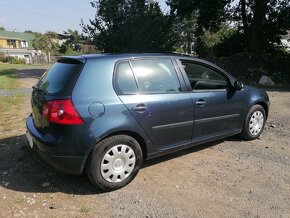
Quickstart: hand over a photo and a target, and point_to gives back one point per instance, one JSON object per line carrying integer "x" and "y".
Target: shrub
{"x": 231, "y": 45}
{"x": 12, "y": 60}
{"x": 17, "y": 60}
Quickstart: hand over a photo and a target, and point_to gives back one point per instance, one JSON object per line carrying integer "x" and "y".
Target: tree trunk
{"x": 188, "y": 43}
{"x": 244, "y": 16}
{"x": 199, "y": 43}
{"x": 256, "y": 42}
{"x": 48, "y": 57}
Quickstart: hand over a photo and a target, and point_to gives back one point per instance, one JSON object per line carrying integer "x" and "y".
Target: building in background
{"x": 18, "y": 44}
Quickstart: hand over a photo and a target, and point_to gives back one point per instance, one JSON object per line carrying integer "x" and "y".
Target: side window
{"x": 156, "y": 76}
{"x": 203, "y": 78}
{"x": 125, "y": 83}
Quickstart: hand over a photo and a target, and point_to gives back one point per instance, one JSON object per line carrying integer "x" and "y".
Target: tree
{"x": 72, "y": 42}
{"x": 2, "y": 28}
{"x": 185, "y": 28}
{"x": 209, "y": 15}
{"x": 263, "y": 22}
{"x": 29, "y": 31}
{"x": 130, "y": 26}
{"x": 46, "y": 42}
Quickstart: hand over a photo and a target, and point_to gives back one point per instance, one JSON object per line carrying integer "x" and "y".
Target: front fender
{"x": 255, "y": 96}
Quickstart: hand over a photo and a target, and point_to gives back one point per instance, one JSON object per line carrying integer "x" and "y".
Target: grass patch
{"x": 10, "y": 106}
{"x": 85, "y": 210}
{"x": 9, "y": 102}
{"x": 19, "y": 200}
{"x": 8, "y": 80}
{"x": 4, "y": 66}
{"x": 13, "y": 115}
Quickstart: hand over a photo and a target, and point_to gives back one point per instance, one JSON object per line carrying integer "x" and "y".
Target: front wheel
{"x": 114, "y": 162}
{"x": 254, "y": 124}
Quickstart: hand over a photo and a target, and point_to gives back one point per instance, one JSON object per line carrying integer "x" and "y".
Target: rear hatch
{"x": 55, "y": 84}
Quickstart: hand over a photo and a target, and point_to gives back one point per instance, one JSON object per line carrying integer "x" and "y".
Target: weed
{"x": 19, "y": 200}
{"x": 85, "y": 210}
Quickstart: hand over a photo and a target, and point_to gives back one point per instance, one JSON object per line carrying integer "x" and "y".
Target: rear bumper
{"x": 65, "y": 152}
{"x": 66, "y": 164}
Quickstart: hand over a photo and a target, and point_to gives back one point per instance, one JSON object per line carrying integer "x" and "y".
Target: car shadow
{"x": 29, "y": 73}
{"x": 21, "y": 169}
{"x": 25, "y": 73}
{"x": 180, "y": 153}
{"x": 277, "y": 89}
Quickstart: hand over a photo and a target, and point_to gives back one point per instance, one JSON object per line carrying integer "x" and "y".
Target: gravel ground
{"x": 227, "y": 178}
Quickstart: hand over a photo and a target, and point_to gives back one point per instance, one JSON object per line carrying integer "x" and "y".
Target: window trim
{"x": 174, "y": 64}
{"x": 115, "y": 78}
{"x": 188, "y": 85}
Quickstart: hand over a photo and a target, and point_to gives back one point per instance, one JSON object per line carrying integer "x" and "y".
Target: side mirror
{"x": 238, "y": 85}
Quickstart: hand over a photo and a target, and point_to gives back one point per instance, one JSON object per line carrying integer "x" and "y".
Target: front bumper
{"x": 67, "y": 153}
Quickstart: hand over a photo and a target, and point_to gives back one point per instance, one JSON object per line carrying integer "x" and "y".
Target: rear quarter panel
{"x": 95, "y": 85}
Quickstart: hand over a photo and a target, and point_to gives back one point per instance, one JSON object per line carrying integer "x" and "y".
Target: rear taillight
{"x": 62, "y": 112}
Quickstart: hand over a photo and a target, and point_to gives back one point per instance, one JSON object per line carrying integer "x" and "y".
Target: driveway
{"x": 226, "y": 178}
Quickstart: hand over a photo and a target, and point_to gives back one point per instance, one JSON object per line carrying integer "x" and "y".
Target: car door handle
{"x": 200, "y": 102}
{"x": 140, "y": 108}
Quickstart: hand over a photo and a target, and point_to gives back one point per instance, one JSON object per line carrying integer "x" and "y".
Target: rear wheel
{"x": 114, "y": 162}
{"x": 254, "y": 123}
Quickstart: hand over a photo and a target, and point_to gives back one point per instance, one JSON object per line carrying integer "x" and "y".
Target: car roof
{"x": 126, "y": 56}
{"x": 122, "y": 56}
{"x": 130, "y": 55}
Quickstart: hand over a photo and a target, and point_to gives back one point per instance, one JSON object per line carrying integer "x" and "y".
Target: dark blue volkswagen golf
{"x": 105, "y": 114}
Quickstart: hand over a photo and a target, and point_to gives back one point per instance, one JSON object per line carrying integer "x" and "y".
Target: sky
{"x": 49, "y": 15}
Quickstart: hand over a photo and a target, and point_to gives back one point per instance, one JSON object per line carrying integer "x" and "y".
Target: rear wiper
{"x": 38, "y": 89}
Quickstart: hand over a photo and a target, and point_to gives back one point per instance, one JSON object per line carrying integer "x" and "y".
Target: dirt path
{"x": 227, "y": 178}
{"x": 28, "y": 78}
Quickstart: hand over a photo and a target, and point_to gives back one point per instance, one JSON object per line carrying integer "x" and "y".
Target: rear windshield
{"x": 59, "y": 76}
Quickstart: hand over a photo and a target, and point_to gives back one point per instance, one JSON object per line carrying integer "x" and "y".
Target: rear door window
{"x": 60, "y": 76}
{"x": 156, "y": 76}
{"x": 125, "y": 83}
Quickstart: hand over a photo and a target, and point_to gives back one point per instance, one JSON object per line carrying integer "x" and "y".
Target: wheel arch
{"x": 264, "y": 105}
{"x": 134, "y": 135}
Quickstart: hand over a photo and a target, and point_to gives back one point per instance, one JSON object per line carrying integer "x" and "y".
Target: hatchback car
{"x": 105, "y": 114}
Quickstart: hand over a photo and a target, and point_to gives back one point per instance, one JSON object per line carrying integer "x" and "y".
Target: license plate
{"x": 29, "y": 138}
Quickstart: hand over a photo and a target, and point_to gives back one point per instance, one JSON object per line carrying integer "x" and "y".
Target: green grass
{"x": 5, "y": 66}
{"x": 8, "y": 80}
{"x": 85, "y": 210}
{"x": 19, "y": 200}
{"x": 11, "y": 107}
{"x": 13, "y": 115}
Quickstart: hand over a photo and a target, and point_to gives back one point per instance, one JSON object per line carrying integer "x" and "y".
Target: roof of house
{"x": 18, "y": 36}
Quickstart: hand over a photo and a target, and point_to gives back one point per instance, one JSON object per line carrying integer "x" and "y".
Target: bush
{"x": 225, "y": 42}
{"x": 12, "y": 60}
{"x": 229, "y": 46}
{"x": 17, "y": 60}
{"x": 249, "y": 68}
{"x": 4, "y": 58}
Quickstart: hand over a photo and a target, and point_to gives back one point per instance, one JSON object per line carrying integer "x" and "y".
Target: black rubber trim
{"x": 173, "y": 125}
{"x": 205, "y": 120}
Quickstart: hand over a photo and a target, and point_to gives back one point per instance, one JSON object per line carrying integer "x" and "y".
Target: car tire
{"x": 114, "y": 162}
{"x": 254, "y": 124}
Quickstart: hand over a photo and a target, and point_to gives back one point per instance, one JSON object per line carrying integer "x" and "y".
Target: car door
{"x": 157, "y": 99}
{"x": 217, "y": 107}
